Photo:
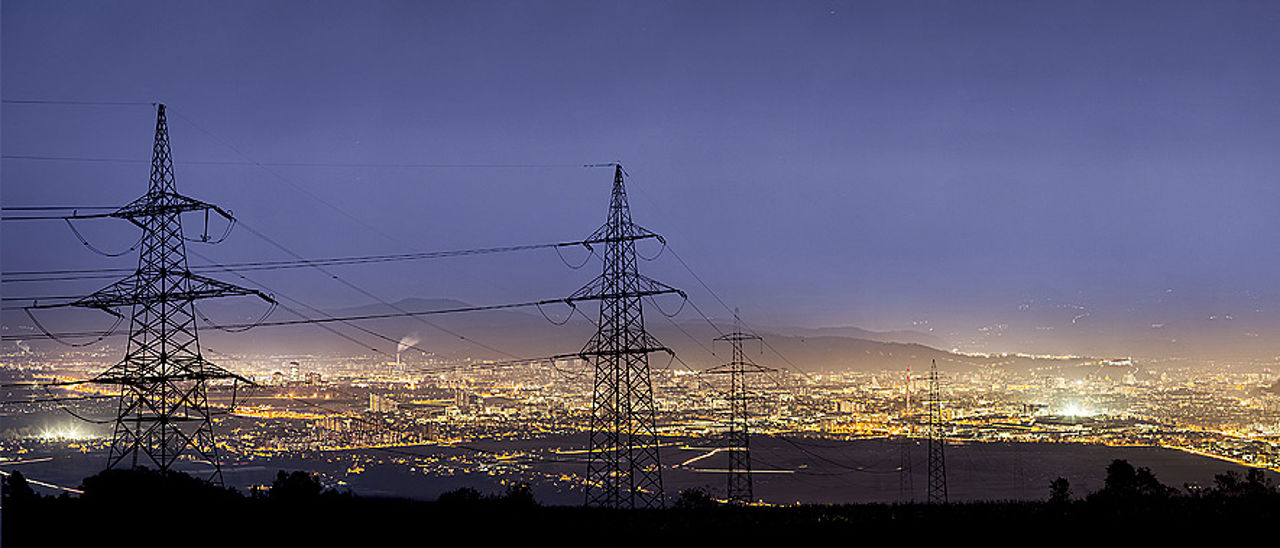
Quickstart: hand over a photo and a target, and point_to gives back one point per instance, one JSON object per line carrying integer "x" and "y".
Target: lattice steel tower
{"x": 737, "y": 439}
{"x": 937, "y": 442}
{"x": 623, "y": 469}
{"x": 906, "y": 482}
{"x": 163, "y": 411}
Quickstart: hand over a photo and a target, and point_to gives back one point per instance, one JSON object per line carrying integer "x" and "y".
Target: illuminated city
{"x": 522, "y": 422}
{"x": 839, "y": 264}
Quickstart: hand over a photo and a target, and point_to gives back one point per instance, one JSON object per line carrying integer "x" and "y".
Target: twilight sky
{"x": 817, "y": 163}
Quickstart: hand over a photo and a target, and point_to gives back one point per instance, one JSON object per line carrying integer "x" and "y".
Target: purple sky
{"x": 818, "y": 163}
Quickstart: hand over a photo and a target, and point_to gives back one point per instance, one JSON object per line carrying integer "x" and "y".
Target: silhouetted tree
{"x": 1125, "y": 482}
{"x": 295, "y": 486}
{"x": 461, "y": 495}
{"x": 1254, "y": 483}
{"x": 694, "y": 498}
{"x": 518, "y": 494}
{"x": 139, "y": 485}
{"x": 18, "y": 494}
{"x": 1121, "y": 478}
{"x": 1059, "y": 491}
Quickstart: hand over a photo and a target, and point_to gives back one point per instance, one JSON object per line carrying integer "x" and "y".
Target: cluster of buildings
{"x": 1230, "y": 412}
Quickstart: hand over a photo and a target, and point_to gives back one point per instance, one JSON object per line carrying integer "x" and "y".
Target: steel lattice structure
{"x": 906, "y": 482}
{"x": 937, "y": 443}
{"x": 163, "y": 411}
{"x": 737, "y": 439}
{"x": 623, "y": 468}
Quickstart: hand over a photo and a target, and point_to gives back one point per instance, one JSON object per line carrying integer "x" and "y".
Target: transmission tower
{"x": 737, "y": 439}
{"x": 623, "y": 469}
{"x": 906, "y": 482}
{"x": 937, "y": 443}
{"x": 163, "y": 410}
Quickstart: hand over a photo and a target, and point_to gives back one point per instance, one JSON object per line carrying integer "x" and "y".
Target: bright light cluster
{"x": 66, "y": 432}
{"x": 1077, "y": 410}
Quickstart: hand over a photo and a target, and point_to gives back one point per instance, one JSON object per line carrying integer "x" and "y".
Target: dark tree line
{"x": 297, "y": 508}
{"x": 1126, "y": 484}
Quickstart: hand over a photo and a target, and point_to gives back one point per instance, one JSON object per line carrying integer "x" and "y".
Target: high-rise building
{"x": 381, "y": 404}
{"x": 461, "y": 398}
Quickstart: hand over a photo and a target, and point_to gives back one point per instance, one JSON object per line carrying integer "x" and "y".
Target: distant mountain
{"x": 521, "y": 333}
{"x": 903, "y": 336}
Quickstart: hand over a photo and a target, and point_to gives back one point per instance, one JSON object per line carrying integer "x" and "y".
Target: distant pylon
{"x": 163, "y": 410}
{"x": 737, "y": 439}
{"x": 623, "y": 468}
{"x": 906, "y": 482}
{"x": 937, "y": 442}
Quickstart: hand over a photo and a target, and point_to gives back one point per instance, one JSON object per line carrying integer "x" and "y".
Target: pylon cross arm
{"x": 643, "y": 286}
{"x": 613, "y": 233}
{"x": 165, "y": 203}
{"x": 126, "y": 293}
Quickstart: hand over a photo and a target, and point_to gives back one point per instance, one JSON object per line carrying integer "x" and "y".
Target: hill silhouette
{"x": 296, "y": 508}
{"x": 526, "y": 333}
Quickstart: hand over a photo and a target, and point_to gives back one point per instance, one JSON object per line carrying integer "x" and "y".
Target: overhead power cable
{"x": 54, "y": 208}
{"x": 20, "y": 276}
{"x": 343, "y": 319}
{"x": 389, "y": 165}
{"x": 724, "y": 304}
{"x": 77, "y": 103}
{"x": 333, "y": 276}
{"x": 323, "y": 314}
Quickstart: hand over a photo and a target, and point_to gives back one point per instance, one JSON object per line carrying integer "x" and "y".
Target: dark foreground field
{"x": 122, "y": 507}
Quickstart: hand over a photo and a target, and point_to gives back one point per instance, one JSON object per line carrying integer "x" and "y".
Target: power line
{"x": 730, "y": 309}
{"x": 53, "y": 208}
{"x": 726, "y": 306}
{"x": 344, "y": 319}
{"x": 78, "y": 103}
{"x": 59, "y": 400}
{"x": 851, "y": 468}
{"x": 39, "y": 298}
{"x": 265, "y": 166}
{"x": 252, "y": 163}
{"x": 27, "y": 276}
{"x": 40, "y": 217}
{"x": 362, "y": 291}
{"x": 326, "y": 327}
{"x": 365, "y": 317}
{"x": 161, "y": 293}
{"x": 623, "y": 464}
{"x": 708, "y": 320}
{"x": 691, "y": 337}
{"x": 301, "y": 262}
{"x": 316, "y": 264}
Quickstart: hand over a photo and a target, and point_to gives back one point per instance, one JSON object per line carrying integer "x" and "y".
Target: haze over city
{"x": 1068, "y": 207}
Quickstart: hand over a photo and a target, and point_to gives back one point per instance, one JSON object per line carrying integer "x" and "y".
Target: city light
{"x": 66, "y": 432}
{"x": 1077, "y": 410}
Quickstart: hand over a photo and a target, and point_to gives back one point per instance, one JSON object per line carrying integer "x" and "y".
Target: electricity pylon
{"x": 163, "y": 410}
{"x": 737, "y": 439}
{"x": 906, "y": 483}
{"x": 937, "y": 442}
{"x": 623, "y": 469}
